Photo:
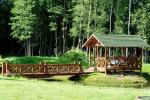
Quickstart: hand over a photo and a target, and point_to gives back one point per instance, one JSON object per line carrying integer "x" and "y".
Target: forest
{"x": 52, "y": 27}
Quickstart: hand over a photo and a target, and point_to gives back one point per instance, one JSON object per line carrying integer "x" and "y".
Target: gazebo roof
{"x": 117, "y": 40}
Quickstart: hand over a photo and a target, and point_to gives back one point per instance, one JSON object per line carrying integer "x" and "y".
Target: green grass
{"x": 102, "y": 80}
{"x": 128, "y": 80}
{"x": 146, "y": 68}
{"x": 24, "y": 89}
{"x": 96, "y": 86}
{"x": 111, "y": 80}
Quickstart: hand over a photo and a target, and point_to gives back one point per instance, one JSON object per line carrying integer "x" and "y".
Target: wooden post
{"x": 45, "y": 68}
{"x": 6, "y": 68}
{"x": 126, "y": 55}
{"x": 97, "y": 53}
{"x": 141, "y": 60}
{"x": 40, "y": 67}
{"x": 3, "y": 65}
{"x": 105, "y": 60}
{"x": 89, "y": 56}
{"x": 20, "y": 70}
{"x": 127, "y": 51}
{"x": 32, "y": 70}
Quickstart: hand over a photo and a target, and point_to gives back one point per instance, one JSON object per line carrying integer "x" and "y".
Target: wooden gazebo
{"x": 115, "y": 52}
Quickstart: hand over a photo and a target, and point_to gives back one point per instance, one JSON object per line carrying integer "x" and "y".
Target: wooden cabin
{"x": 115, "y": 52}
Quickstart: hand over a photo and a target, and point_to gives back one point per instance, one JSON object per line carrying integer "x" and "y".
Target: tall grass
{"x": 72, "y": 56}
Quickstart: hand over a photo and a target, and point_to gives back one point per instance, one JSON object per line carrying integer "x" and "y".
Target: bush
{"x": 75, "y": 54}
{"x": 25, "y": 60}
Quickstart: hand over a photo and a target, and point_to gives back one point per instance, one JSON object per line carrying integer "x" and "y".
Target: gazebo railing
{"x": 124, "y": 63}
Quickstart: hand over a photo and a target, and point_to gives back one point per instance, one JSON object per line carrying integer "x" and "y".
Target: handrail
{"x": 45, "y": 69}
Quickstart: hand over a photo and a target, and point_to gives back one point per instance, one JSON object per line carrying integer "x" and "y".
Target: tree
{"x": 129, "y": 19}
{"x": 22, "y": 22}
{"x": 41, "y": 29}
{"x": 141, "y": 19}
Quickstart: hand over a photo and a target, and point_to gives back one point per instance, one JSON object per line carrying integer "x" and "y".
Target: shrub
{"x": 75, "y": 55}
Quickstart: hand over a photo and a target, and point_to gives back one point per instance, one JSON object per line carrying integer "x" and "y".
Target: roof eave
{"x": 84, "y": 45}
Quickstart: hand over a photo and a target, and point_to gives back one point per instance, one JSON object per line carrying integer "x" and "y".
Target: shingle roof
{"x": 121, "y": 40}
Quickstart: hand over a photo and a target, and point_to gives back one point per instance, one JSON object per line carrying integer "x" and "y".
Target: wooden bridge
{"x": 41, "y": 70}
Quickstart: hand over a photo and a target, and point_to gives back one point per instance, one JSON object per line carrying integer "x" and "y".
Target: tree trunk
{"x": 40, "y": 45}
{"x": 64, "y": 28}
{"x": 64, "y": 37}
{"x": 79, "y": 41}
{"x": 95, "y": 22}
{"x": 110, "y": 17}
{"x": 129, "y": 17}
{"x": 89, "y": 21}
{"x": 25, "y": 48}
{"x": 56, "y": 45}
{"x": 28, "y": 46}
{"x": 74, "y": 44}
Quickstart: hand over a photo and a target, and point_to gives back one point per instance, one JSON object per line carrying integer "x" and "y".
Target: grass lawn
{"x": 111, "y": 80}
{"x": 146, "y": 68}
{"x": 24, "y": 89}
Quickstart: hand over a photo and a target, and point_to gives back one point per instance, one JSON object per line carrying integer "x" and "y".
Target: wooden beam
{"x": 89, "y": 56}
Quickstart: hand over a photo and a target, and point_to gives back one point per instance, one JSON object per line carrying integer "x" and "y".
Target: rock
{"x": 143, "y": 98}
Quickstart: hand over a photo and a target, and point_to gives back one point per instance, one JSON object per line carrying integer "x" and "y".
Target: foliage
{"x": 141, "y": 18}
{"x": 52, "y": 27}
{"x": 73, "y": 55}
{"x": 23, "y": 19}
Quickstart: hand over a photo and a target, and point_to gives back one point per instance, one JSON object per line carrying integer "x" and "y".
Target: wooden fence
{"x": 41, "y": 69}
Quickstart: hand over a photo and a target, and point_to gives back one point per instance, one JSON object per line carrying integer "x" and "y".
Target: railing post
{"x": 20, "y": 70}
{"x": 45, "y": 67}
{"x": 40, "y": 67}
{"x": 32, "y": 70}
{"x": 81, "y": 69}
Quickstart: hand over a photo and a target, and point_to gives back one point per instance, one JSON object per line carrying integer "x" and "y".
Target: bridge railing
{"x": 41, "y": 69}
